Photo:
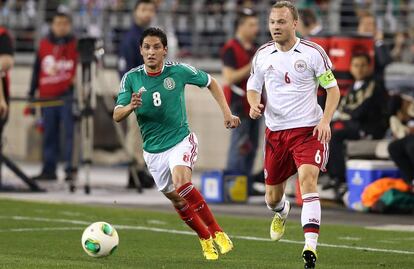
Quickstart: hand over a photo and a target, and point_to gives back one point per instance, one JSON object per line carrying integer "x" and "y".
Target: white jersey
{"x": 291, "y": 82}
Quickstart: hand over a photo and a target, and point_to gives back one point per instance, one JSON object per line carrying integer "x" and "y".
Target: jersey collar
{"x": 150, "y": 74}
{"x": 293, "y": 49}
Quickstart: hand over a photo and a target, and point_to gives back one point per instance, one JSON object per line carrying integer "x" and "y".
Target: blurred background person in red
{"x": 6, "y": 63}
{"x": 53, "y": 77}
{"x": 236, "y": 56}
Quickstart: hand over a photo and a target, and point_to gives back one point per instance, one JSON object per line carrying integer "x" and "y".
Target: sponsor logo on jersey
{"x": 52, "y": 67}
{"x": 270, "y": 68}
{"x": 169, "y": 83}
{"x": 300, "y": 66}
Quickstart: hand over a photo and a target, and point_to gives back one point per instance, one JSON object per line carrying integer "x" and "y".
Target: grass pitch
{"x": 41, "y": 235}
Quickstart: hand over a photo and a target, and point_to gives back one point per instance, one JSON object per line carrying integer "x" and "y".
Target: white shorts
{"x": 162, "y": 164}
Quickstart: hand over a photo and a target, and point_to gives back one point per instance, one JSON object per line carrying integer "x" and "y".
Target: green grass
{"x": 149, "y": 249}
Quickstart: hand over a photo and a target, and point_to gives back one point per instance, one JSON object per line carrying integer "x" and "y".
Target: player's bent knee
{"x": 273, "y": 198}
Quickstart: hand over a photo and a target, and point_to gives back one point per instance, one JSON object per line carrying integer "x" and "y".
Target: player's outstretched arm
{"x": 253, "y": 97}
{"x": 230, "y": 121}
{"x": 323, "y": 129}
{"x": 121, "y": 112}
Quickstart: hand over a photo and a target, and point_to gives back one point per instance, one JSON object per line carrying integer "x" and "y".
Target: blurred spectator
{"x": 367, "y": 27}
{"x": 403, "y": 50}
{"x": 360, "y": 114}
{"x": 213, "y": 33}
{"x": 53, "y": 76}
{"x": 309, "y": 24}
{"x": 129, "y": 56}
{"x": 242, "y": 4}
{"x": 236, "y": 56}
{"x": 401, "y": 150}
{"x": 6, "y": 63}
{"x": 348, "y": 16}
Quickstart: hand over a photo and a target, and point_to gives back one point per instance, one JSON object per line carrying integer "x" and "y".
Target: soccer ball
{"x": 100, "y": 239}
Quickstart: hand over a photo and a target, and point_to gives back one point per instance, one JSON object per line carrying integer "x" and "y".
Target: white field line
{"x": 161, "y": 230}
{"x": 40, "y": 229}
{"x": 393, "y": 227}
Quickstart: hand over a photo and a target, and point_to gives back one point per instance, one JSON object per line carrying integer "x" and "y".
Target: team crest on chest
{"x": 169, "y": 83}
{"x": 300, "y": 66}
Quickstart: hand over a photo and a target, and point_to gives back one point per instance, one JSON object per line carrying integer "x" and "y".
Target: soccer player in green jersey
{"x": 154, "y": 91}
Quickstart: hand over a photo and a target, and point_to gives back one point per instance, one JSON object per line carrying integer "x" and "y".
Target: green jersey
{"x": 162, "y": 117}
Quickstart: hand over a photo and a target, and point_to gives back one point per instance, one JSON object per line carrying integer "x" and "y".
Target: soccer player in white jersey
{"x": 298, "y": 131}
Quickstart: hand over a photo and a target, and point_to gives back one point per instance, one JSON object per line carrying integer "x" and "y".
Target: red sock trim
{"x": 200, "y": 207}
{"x": 193, "y": 221}
{"x": 311, "y": 230}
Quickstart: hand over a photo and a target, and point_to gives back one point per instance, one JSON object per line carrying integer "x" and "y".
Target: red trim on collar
{"x": 154, "y": 74}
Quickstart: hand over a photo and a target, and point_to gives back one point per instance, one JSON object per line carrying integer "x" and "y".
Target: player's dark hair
{"x": 153, "y": 31}
{"x": 308, "y": 17}
{"x": 61, "y": 15}
{"x": 361, "y": 54}
{"x": 244, "y": 14}
{"x": 139, "y": 2}
{"x": 292, "y": 8}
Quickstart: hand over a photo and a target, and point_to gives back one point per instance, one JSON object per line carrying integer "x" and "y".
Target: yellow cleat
{"x": 209, "y": 250}
{"x": 309, "y": 256}
{"x": 223, "y": 242}
{"x": 277, "y": 227}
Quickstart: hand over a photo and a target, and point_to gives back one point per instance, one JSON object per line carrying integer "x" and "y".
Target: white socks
{"x": 311, "y": 218}
{"x": 280, "y": 207}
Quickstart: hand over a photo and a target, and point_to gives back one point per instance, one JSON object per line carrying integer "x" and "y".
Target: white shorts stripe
{"x": 325, "y": 156}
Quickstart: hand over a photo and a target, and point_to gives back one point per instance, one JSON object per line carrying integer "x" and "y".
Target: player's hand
{"x": 136, "y": 100}
{"x": 256, "y": 111}
{"x": 323, "y": 130}
{"x": 231, "y": 122}
{"x": 4, "y": 108}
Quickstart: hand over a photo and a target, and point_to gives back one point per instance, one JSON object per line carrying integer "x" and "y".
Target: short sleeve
{"x": 229, "y": 58}
{"x": 125, "y": 92}
{"x": 195, "y": 76}
{"x": 6, "y": 45}
{"x": 256, "y": 79}
{"x": 321, "y": 61}
{"x": 322, "y": 66}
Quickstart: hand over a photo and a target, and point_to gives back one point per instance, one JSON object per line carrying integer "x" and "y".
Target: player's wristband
{"x": 327, "y": 79}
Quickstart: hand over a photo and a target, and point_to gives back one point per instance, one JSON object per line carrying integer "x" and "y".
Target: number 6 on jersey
{"x": 156, "y": 96}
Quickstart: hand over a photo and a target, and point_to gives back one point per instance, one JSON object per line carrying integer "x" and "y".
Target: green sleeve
{"x": 125, "y": 92}
{"x": 195, "y": 76}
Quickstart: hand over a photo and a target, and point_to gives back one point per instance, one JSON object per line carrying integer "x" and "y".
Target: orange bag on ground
{"x": 373, "y": 192}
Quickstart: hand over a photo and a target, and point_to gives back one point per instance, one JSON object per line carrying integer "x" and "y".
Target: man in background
{"x": 144, "y": 13}
{"x": 367, "y": 27}
{"x": 236, "y": 56}
{"x": 53, "y": 77}
{"x": 6, "y": 63}
{"x": 309, "y": 24}
{"x": 361, "y": 113}
{"x": 129, "y": 57}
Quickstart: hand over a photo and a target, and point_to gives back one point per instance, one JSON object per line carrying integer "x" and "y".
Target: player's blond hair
{"x": 289, "y": 5}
